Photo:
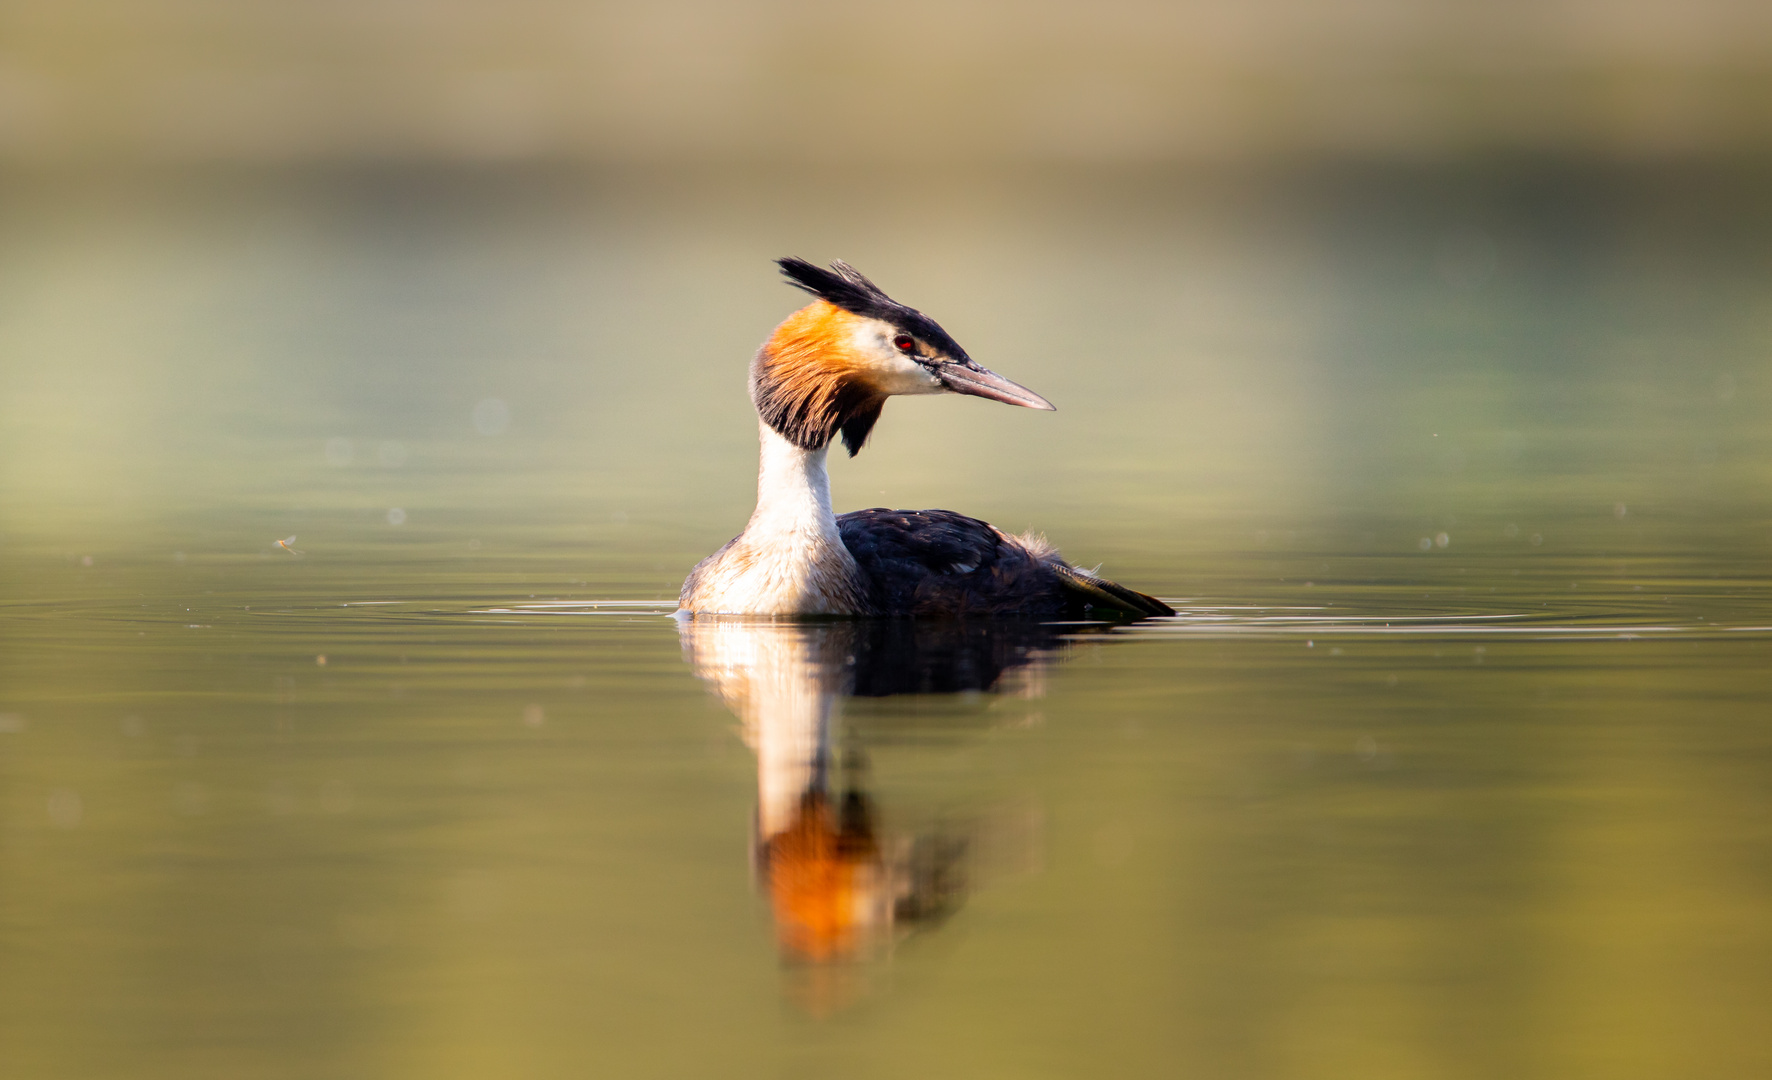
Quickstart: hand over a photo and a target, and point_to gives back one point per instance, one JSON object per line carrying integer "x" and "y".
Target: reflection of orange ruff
{"x": 823, "y": 879}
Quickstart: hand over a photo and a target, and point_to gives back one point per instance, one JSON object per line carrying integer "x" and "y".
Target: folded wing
{"x": 938, "y": 563}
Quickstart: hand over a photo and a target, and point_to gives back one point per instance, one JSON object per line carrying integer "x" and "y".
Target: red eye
{"x": 904, "y": 342}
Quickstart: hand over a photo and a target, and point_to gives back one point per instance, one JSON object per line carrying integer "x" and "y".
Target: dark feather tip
{"x": 842, "y": 285}
{"x": 849, "y": 289}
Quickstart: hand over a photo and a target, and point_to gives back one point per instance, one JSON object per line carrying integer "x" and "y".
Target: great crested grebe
{"x": 827, "y": 371}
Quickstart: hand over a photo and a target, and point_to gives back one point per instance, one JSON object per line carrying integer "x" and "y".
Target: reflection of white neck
{"x": 782, "y": 681}
{"x": 790, "y": 729}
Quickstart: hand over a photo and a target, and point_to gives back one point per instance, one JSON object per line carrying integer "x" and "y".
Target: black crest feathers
{"x": 842, "y": 285}
{"x": 849, "y": 289}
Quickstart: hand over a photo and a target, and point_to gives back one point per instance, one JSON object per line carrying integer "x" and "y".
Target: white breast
{"x": 793, "y": 574}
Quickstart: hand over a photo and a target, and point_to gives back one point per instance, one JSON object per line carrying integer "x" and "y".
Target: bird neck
{"x": 793, "y": 494}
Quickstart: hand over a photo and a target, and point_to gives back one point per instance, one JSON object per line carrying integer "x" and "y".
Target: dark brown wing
{"x": 942, "y": 564}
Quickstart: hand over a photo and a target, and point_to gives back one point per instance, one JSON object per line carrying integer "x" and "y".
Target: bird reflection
{"x": 840, "y": 885}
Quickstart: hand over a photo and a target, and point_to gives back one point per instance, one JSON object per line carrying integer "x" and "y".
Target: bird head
{"x": 830, "y": 366}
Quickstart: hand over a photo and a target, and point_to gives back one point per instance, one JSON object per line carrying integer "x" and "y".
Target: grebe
{"x": 827, "y": 371}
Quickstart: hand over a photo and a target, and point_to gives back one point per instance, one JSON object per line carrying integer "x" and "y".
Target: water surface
{"x": 1454, "y": 762}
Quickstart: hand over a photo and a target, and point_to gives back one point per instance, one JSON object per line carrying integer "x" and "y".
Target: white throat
{"x": 793, "y": 493}
{"x": 790, "y": 559}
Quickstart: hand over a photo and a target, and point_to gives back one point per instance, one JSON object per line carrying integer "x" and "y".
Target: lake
{"x": 345, "y": 729}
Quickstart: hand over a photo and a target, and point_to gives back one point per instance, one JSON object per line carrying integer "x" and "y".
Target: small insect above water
{"x": 286, "y": 543}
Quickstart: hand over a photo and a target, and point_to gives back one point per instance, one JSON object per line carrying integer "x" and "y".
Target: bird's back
{"x": 939, "y": 563}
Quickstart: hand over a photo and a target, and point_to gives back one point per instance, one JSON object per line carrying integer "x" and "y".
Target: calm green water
{"x": 1457, "y": 761}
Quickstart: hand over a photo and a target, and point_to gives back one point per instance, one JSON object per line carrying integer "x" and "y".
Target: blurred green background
{"x": 1268, "y": 259}
{"x": 1272, "y": 261}
{"x": 214, "y": 360}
